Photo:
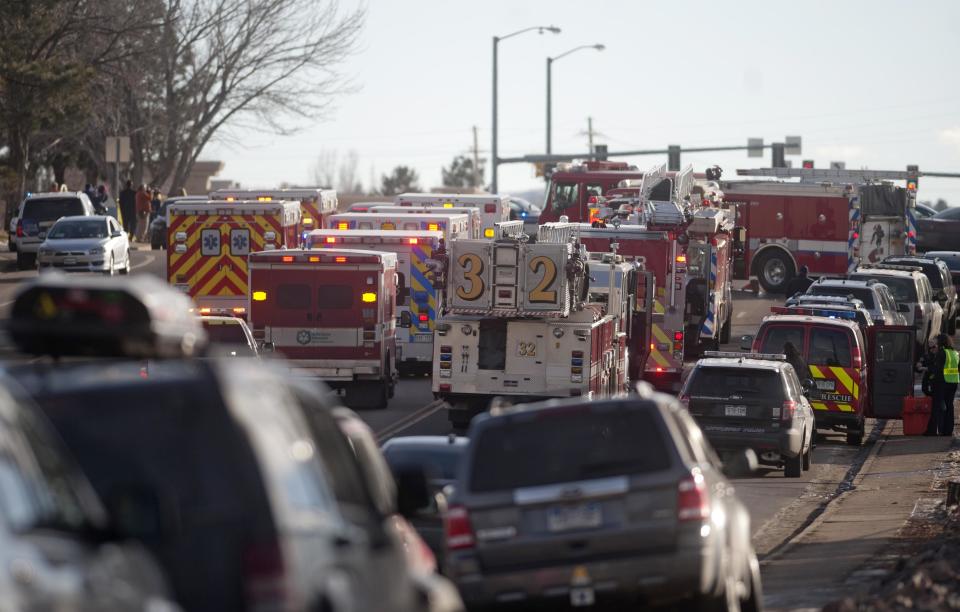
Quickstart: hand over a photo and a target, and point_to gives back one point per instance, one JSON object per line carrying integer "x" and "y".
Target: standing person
{"x": 155, "y": 203}
{"x": 143, "y": 212}
{"x": 795, "y": 359}
{"x": 945, "y": 380}
{"x": 101, "y": 198}
{"x": 128, "y": 208}
{"x": 799, "y": 283}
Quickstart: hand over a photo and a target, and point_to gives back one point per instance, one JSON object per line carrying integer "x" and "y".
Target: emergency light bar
{"x": 736, "y": 355}
{"x": 882, "y": 266}
{"x": 815, "y": 312}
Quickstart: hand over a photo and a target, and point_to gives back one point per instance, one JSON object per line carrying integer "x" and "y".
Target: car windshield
{"x": 440, "y": 462}
{"x": 228, "y": 333}
{"x": 829, "y": 347}
{"x": 727, "y": 382}
{"x": 777, "y": 336}
{"x": 51, "y": 209}
{"x": 67, "y": 230}
{"x": 861, "y": 293}
{"x": 566, "y": 447}
{"x": 903, "y": 289}
{"x": 952, "y": 259}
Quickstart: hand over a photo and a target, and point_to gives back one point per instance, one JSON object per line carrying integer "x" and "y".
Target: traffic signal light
{"x": 913, "y": 177}
{"x": 778, "y": 159}
{"x": 673, "y": 158}
{"x": 808, "y": 164}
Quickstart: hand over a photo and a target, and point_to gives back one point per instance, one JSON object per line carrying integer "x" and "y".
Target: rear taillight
{"x": 489, "y": 208}
{"x": 917, "y": 315}
{"x": 856, "y": 358}
{"x": 20, "y": 228}
{"x": 788, "y": 410}
{"x": 692, "y": 502}
{"x": 264, "y": 576}
{"x": 457, "y": 528}
{"x": 684, "y": 399}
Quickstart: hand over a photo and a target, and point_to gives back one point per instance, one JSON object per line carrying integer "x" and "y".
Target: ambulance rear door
{"x": 891, "y": 358}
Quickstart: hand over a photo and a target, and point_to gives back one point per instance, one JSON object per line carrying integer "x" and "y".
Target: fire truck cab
{"x": 493, "y": 208}
{"x": 416, "y": 296}
{"x": 208, "y": 243}
{"x": 315, "y": 204}
{"x": 515, "y": 324}
{"x": 575, "y": 188}
{"x": 332, "y": 314}
{"x": 830, "y": 221}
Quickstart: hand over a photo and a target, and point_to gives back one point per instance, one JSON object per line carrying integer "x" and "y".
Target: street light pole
{"x": 550, "y": 61}
{"x": 495, "y": 160}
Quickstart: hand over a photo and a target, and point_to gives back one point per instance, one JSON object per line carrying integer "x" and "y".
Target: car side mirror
{"x": 267, "y": 347}
{"x": 741, "y": 464}
{"x": 746, "y": 343}
{"x": 903, "y": 308}
{"x": 413, "y": 492}
{"x": 116, "y": 234}
{"x": 807, "y": 385}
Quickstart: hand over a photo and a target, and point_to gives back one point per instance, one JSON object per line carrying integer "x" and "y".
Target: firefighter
{"x": 799, "y": 283}
{"x": 945, "y": 379}
{"x": 795, "y": 359}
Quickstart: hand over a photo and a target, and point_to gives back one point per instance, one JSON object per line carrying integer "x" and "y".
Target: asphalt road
{"x": 779, "y": 506}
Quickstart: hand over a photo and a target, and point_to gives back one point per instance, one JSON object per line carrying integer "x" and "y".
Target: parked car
{"x": 12, "y": 231}
{"x": 746, "y": 400}
{"x": 873, "y": 294}
{"x": 437, "y": 593}
{"x": 220, "y": 467}
{"x": 568, "y": 501}
{"x": 85, "y": 244}
{"x": 952, "y": 259}
{"x": 439, "y": 457}
{"x": 38, "y": 212}
{"x": 938, "y": 273}
{"x": 828, "y": 306}
{"x": 909, "y": 286}
{"x": 158, "y": 227}
{"x": 939, "y": 232}
{"x": 57, "y": 548}
{"x": 526, "y": 212}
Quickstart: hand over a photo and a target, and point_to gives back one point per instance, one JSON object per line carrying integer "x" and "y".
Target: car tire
{"x": 112, "y": 270}
{"x": 25, "y": 261}
{"x": 725, "y": 601}
{"x": 11, "y": 246}
{"x": 793, "y": 466}
{"x": 126, "y": 268}
{"x": 855, "y": 436}
{"x": 754, "y": 603}
{"x": 807, "y": 462}
{"x": 774, "y": 271}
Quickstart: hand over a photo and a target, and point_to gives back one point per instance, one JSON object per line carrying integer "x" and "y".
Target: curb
{"x": 827, "y": 510}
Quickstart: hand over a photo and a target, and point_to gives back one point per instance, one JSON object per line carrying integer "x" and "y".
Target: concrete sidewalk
{"x": 833, "y": 556}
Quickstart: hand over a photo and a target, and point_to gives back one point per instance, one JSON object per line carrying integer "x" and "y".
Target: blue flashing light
{"x": 576, "y": 362}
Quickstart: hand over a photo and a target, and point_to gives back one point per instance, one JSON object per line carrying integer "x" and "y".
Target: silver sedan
{"x": 85, "y": 244}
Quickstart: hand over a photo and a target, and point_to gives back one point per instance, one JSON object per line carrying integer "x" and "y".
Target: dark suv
{"x": 615, "y": 499}
{"x": 744, "y": 400}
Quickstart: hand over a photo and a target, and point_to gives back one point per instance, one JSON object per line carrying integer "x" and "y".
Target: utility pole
{"x": 476, "y": 160}
{"x": 590, "y": 134}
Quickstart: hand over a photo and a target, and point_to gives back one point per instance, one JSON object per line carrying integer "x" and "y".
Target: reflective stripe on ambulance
{"x": 846, "y": 385}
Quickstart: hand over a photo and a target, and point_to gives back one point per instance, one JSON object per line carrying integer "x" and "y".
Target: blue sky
{"x": 873, "y": 83}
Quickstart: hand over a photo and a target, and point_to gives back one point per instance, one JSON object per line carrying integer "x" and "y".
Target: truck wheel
{"x": 725, "y": 328}
{"x": 774, "y": 271}
{"x": 459, "y": 420}
{"x": 855, "y": 436}
{"x": 382, "y": 396}
{"x": 793, "y": 466}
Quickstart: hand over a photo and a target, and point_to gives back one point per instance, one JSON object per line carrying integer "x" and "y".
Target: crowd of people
{"x": 136, "y": 207}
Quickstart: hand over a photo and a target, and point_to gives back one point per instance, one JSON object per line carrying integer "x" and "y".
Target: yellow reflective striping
{"x": 815, "y": 371}
{"x": 659, "y": 335}
{"x": 658, "y": 307}
{"x": 845, "y": 407}
{"x": 659, "y": 359}
{"x": 819, "y": 406}
{"x": 845, "y": 380}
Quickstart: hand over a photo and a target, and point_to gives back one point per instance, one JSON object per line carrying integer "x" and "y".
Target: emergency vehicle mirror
{"x": 116, "y": 234}
{"x": 746, "y": 343}
{"x": 807, "y": 385}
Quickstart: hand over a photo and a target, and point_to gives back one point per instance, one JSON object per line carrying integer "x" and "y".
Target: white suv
{"x": 38, "y": 212}
{"x": 909, "y": 285}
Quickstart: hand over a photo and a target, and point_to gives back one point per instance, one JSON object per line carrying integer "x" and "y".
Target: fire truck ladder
{"x": 813, "y": 175}
{"x": 683, "y": 183}
{"x": 652, "y": 178}
{"x": 558, "y": 233}
{"x": 507, "y": 229}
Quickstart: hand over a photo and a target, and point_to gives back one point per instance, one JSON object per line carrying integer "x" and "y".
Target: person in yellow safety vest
{"x": 945, "y": 380}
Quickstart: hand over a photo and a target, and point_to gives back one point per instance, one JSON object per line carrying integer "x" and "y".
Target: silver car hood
{"x": 73, "y": 244}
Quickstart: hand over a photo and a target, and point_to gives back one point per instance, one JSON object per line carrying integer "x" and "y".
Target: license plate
{"x": 735, "y": 411}
{"x": 70, "y": 261}
{"x": 582, "y": 596}
{"x": 423, "y": 337}
{"x": 565, "y": 518}
{"x": 826, "y": 385}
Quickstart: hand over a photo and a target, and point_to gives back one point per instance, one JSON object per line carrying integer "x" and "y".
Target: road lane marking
{"x": 410, "y": 420}
{"x": 149, "y": 260}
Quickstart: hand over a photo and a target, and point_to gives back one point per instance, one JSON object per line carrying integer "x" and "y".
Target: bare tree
{"x": 325, "y": 169}
{"x": 347, "y": 179}
{"x": 228, "y": 63}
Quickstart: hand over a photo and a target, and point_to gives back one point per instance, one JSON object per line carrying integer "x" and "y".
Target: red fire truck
{"x": 572, "y": 186}
{"x": 315, "y": 204}
{"x": 516, "y": 323}
{"x": 331, "y": 313}
{"x": 831, "y": 221}
{"x": 687, "y": 294}
{"x": 209, "y": 242}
